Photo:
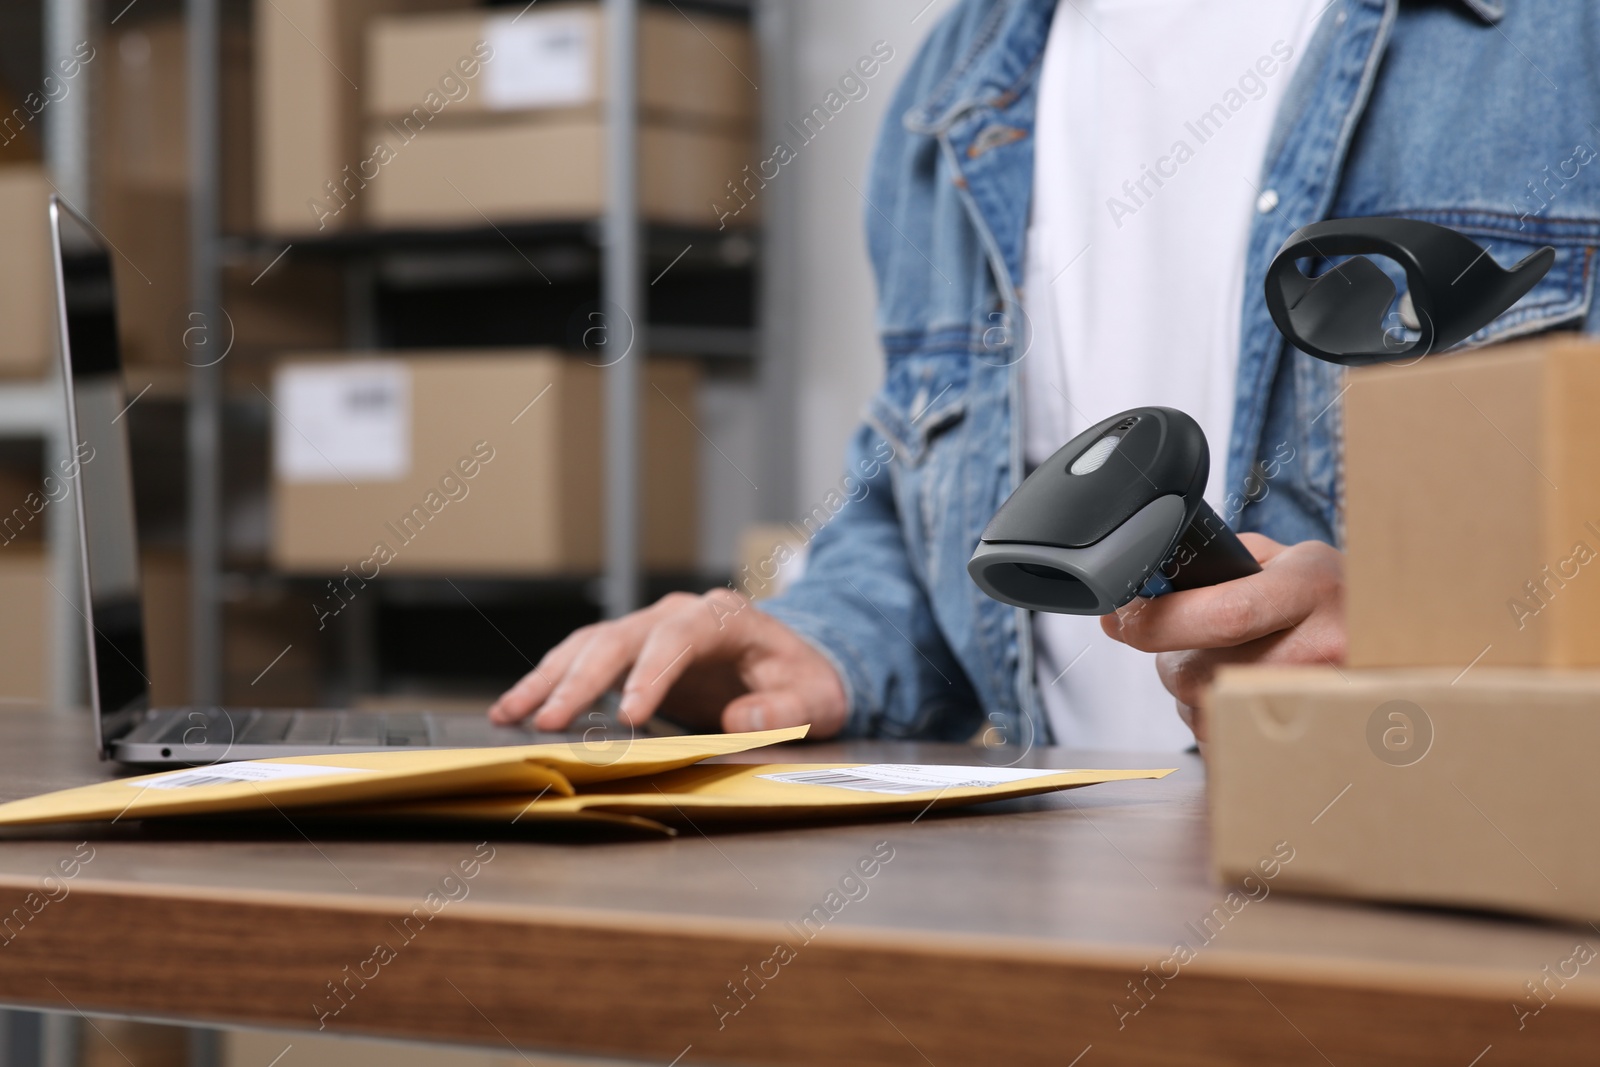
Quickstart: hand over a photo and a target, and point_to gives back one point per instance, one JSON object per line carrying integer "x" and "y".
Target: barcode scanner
{"x": 1454, "y": 289}
{"x": 1116, "y": 506}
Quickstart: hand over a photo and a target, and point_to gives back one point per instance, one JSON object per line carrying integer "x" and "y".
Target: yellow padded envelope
{"x": 739, "y": 793}
{"x": 368, "y": 777}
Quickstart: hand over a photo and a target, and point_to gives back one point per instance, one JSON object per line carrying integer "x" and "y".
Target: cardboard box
{"x": 25, "y": 624}
{"x": 772, "y": 557}
{"x": 271, "y": 651}
{"x": 19, "y": 120}
{"x": 1412, "y": 786}
{"x": 143, "y": 118}
{"x": 694, "y": 67}
{"x": 470, "y": 463}
{"x": 119, "y": 1042}
{"x": 27, "y": 274}
{"x": 164, "y": 583}
{"x": 252, "y": 1048}
{"x": 23, "y": 497}
{"x": 308, "y": 90}
{"x": 294, "y": 305}
{"x": 538, "y": 169}
{"x": 1472, "y": 509}
{"x": 143, "y": 192}
{"x": 150, "y": 225}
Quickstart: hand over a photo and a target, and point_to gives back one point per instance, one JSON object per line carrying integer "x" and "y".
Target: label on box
{"x": 907, "y": 777}
{"x": 543, "y": 59}
{"x": 342, "y": 422}
{"x": 234, "y": 773}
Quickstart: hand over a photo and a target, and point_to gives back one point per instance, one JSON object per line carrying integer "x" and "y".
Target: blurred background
{"x": 361, "y": 243}
{"x": 361, "y": 246}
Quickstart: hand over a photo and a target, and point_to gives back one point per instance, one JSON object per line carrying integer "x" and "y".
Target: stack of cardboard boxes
{"x": 27, "y": 346}
{"x": 309, "y": 78}
{"x": 472, "y": 118}
{"x": 28, "y": 606}
{"x": 486, "y": 117}
{"x": 1450, "y": 760}
{"x": 468, "y": 117}
{"x": 142, "y": 191}
{"x": 143, "y": 185}
{"x": 26, "y": 276}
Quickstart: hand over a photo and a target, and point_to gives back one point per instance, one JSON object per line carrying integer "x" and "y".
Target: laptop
{"x": 127, "y": 728}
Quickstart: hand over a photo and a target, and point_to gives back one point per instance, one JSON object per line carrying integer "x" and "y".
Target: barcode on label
{"x": 845, "y": 780}
{"x": 187, "y": 781}
{"x": 235, "y": 773}
{"x": 906, "y": 778}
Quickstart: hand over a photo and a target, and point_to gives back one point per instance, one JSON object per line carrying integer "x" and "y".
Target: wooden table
{"x": 1009, "y": 936}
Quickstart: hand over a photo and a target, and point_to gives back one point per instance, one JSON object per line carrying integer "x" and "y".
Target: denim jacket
{"x": 1477, "y": 114}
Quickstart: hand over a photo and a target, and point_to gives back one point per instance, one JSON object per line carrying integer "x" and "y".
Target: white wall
{"x": 837, "y": 359}
{"x": 775, "y": 446}
{"x": 730, "y": 417}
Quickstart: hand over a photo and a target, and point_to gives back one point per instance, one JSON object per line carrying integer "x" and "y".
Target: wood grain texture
{"x": 1002, "y": 936}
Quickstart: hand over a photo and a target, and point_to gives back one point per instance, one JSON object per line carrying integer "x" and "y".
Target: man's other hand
{"x": 1290, "y": 613}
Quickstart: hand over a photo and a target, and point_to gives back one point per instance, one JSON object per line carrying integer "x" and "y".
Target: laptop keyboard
{"x": 364, "y": 728}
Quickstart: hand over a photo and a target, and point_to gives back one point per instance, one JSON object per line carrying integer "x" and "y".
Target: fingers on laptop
{"x": 658, "y": 643}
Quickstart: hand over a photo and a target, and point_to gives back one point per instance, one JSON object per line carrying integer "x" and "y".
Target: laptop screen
{"x": 100, "y": 471}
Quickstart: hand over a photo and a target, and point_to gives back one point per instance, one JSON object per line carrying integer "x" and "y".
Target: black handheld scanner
{"x": 1454, "y": 288}
{"x": 1115, "y": 506}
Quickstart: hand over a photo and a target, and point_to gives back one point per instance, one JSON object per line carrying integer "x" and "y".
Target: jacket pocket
{"x": 922, "y": 397}
{"x": 1561, "y": 298}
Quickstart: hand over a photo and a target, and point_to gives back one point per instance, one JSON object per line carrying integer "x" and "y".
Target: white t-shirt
{"x": 1152, "y": 127}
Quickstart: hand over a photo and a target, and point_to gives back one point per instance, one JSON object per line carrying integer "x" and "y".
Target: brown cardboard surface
{"x": 23, "y": 499}
{"x": 542, "y": 168}
{"x": 27, "y": 278}
{"x": 1572, "y": 446}
{"x": 309, "y": 80}
{"x": 118, "y": 1042}
{"x": 272, "y": 652}
{"x": 294, "y": 305}
{"x": 691, "y": 65}
{"x": 142, "y": 115}
{"x": 148, "y": 228}
{"x": 1414, "y": 786}
{"x": 535, "y": 507}
{"x": 270, "y": 649}
{"x": 164, "y": 577}
{"x": 19, "y": 134}
{"x": 142, "y": 178}
{"x": 765, "y": 554}
{"x": 1472, "y": 509}
{"x": 252, "y": 1048}
{"x": 24, "y": 624}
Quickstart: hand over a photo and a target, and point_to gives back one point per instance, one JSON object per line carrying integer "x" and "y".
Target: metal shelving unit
{"x": 621, "y": 297}
{"x": 622, "y": 300}
{"x": 627, "y": 249}
{"x": 205, "y": 381}
{"x": 626, "y": 246}
{"x": 38, "y": 409}
{"x": 563, "y": 251}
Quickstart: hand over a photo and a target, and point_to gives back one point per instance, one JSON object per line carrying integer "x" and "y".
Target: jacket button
{"x": 1267, "y": 201}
